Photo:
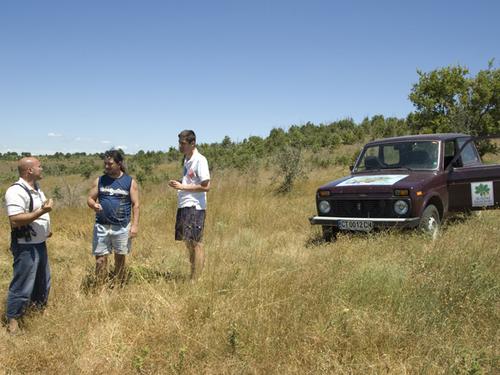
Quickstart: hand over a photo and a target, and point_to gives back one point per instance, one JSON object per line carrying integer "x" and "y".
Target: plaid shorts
{"x": 189, "y": 224}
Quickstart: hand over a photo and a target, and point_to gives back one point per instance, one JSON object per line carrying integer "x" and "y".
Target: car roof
{"x": 420, "y": 137}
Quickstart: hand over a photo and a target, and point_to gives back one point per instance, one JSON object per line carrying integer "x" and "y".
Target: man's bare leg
{"x": 196, "y": 257}
{"x": 101, "y": 269}
{"x": 120, "y": 268}
{"x": 191, "y": 256}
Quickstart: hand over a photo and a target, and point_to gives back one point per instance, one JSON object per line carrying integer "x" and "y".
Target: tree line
{"x": 447, "y": 99}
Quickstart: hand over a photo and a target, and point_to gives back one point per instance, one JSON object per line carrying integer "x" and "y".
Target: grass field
{"x": 273, "y": 298}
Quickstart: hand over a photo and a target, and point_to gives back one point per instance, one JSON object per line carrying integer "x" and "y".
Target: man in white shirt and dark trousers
{"x": 28, "y": 211}
{"x": 192, "y": 201}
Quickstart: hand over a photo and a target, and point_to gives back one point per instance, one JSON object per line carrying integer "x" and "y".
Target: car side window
{"x": 449, "y": 148}
{"x": 449, "y": 152}
{"x": 469, "y": 155}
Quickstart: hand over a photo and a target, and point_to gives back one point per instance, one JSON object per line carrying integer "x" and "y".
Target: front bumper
{"x": 333, "y": 221}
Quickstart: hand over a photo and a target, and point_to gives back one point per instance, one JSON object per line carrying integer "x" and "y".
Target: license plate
{"x": 358, "y": 225}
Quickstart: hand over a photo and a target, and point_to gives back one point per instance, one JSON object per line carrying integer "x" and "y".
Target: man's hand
{"x": 47, "y": 205}
{"x": 175, "y": 184}
{"x": 97, "y": 207}
{"x": 133, "y": 231}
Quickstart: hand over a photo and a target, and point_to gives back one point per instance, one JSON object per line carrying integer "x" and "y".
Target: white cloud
{"x": 122, "y": 147}
{"x": 51, "y": 134}
{"x": 105, "y": 142}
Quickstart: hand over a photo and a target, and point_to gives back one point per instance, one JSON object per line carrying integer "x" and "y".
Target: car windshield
{"x": 400, "y": 155}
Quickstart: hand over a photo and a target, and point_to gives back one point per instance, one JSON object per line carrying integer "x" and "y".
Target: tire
{"x": 430, "y": 224}
{"x": 329, "y": 234}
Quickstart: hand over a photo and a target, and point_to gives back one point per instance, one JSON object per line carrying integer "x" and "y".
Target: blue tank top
{"x": 114, "y": 197}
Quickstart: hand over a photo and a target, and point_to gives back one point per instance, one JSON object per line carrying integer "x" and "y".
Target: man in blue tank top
{"x": 115, "y": 199}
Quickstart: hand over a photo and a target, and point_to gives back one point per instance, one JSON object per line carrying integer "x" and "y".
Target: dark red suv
{"x": 411, "y": 181}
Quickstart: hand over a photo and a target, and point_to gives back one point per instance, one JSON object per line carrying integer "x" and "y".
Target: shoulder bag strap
{"x": 29, "y": 194}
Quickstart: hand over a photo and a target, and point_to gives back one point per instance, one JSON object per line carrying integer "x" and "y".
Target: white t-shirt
{"x": 17, "y": 201}
{"x": 195, "y": 172}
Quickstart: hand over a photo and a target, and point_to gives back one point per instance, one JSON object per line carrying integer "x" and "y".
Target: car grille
{"x": 376, "y": 208}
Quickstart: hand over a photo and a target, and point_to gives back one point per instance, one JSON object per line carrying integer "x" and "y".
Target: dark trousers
{"x": 31, "y": 279}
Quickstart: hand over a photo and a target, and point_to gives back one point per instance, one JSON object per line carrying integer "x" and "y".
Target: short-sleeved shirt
{"x": 17, "y": 201}
{"x": 195, "y": 172}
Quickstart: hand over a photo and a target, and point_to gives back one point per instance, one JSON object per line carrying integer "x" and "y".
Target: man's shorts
{"x": 109, "y": 238}
{"x": 189, "y": 224}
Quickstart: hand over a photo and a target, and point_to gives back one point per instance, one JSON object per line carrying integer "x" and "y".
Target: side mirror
{"x": 351, "y": 167}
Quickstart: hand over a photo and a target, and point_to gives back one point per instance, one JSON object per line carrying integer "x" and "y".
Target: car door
{"x": 471, "y": 185}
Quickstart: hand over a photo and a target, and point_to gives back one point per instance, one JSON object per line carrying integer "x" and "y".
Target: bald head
{"x": 29, "y": 168}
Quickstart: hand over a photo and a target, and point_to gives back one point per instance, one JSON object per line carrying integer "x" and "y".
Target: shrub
{"x": 289, "y": 165}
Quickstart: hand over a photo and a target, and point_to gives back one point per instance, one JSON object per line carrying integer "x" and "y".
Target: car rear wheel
{"x": 330, "y": 233}
{"x": 430, "y": 222}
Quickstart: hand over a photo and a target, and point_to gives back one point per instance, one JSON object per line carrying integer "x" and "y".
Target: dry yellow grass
{"x": 272, "y": 298}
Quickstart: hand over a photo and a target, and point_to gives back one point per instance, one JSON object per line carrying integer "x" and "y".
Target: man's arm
{"x": 92, "y": 198}
{"x": 28, "y": 217}
{"x": 204, "y": 186}
{"x": 134, "y": 198}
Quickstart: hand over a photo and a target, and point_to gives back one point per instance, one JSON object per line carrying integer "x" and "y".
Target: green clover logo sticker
{"x": 482, "y": 190}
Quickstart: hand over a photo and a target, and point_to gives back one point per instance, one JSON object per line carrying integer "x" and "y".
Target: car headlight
{"x": 401, "y": 207}
{"x": 324, "y": 207}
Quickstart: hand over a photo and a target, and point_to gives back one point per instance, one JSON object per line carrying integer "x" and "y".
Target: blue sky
{"x": 89, "y": 75}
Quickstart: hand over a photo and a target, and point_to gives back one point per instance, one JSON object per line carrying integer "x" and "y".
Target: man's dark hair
{"x": 118, "y": 157}
{"x": 188, "y": 136}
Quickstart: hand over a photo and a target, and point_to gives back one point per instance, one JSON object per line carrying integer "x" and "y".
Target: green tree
{"x": 277, "y": 138}
{"x": 86, "y": 169}
{"x": 450, "y": 100}
{"x": 226, "y": 142}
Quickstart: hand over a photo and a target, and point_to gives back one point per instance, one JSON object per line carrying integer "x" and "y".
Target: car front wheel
{"x": 430, "y": 222}
{"x": 330, "y": 234}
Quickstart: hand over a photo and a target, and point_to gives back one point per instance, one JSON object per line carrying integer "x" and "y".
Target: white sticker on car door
{"x": 482, "y": 194}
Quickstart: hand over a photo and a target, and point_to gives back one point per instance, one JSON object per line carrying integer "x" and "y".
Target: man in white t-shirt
{"x": 28, "y": 211}
{"x": 192, "y": 201}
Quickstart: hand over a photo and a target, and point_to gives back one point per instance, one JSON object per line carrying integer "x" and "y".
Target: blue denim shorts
{"x": 110, "y": 238}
